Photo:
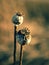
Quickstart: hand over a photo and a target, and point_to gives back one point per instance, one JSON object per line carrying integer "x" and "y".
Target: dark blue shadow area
{"x": 24, "y": 62}
{"x": 39, "y": 61}
{"x": 36, "y": 61}
{"x": 4, "y": 57}
{"x": 17, "y": 63}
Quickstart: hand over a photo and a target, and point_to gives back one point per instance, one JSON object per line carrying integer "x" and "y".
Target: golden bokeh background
{"x": 36, "y": 19}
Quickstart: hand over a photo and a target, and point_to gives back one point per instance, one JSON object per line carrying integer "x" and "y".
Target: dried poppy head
{"x": 23, "y": 36}
{"x": 17, "y": 19}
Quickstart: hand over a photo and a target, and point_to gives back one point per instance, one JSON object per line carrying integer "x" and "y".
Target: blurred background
{"x": 36, "y": 19}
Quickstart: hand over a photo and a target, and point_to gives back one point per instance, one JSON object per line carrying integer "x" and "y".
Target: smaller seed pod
{"x": 17, "y": 19}
{"x": 23, "y": 36}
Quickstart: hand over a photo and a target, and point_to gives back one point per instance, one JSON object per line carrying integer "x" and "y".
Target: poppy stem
{"x": 15, "y": 44}
{"x": 21, "y": 52}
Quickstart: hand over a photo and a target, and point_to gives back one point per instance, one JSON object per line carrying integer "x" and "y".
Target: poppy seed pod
{"x": 23, "y": 36}
{"x": 17, "y": 19}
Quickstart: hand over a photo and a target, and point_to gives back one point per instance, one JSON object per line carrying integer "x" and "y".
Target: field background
{"x": 36, "y": 19}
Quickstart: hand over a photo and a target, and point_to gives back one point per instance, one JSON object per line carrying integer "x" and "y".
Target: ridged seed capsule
{"x": 23, "y": 36}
